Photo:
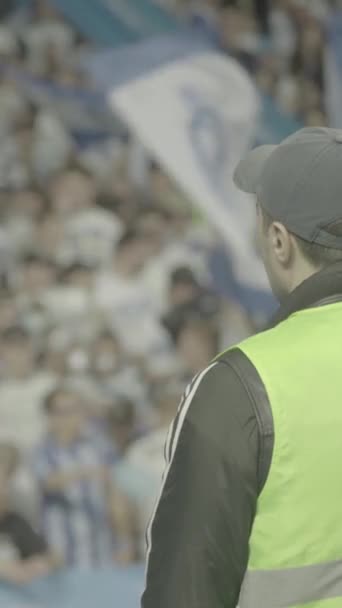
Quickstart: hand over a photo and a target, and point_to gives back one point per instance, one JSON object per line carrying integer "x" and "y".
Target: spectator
{"x": 35, "y": 276}
{"x": 48, "y": 236}
{"x": 115, "y": 375}
{"x": 189, "y": 300}
{"x": 125, "y": 299}
{"x": 46, "y": 34}
{"x": 78, "y": 275}
{"x": 22, "y": 389}
{"x": 123, "y": 430}
{"x": 33, "y": 279}
{"x": 138, "y": 475}
{"x": 71, "y": 300}
{"x": 24, "y": 210}
{"x": 308, "y": 57}
{"x": 71, "y": 465}
{"x": 167, "y": 251}
{"x": 91, "y": 232}
{"x": 24, "y": 554}
{"x": 185, "y": 290}
{"x": 72, "y": 191}
{"x": 239, "y": 36}
{"x": 122, "y": 425}
{"x": 8, "y": 310}
{"x": 197, "y": 344}
{"x": 204, "y": 16}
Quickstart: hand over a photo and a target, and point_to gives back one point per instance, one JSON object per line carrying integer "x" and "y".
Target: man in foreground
{"x": 249, "y": 511}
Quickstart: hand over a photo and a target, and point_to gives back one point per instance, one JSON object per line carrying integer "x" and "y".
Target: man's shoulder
{"x": 220, "y": 391}
{"x": 241, "y": 352}
{"x": 232, "y": 386}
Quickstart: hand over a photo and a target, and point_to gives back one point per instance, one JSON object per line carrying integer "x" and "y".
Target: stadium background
{"x": 117, "y": 286}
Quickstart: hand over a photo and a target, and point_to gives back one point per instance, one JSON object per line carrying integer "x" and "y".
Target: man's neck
{"x": 302, "y": 273}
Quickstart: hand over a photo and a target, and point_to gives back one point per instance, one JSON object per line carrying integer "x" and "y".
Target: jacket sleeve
{"x": 198, "y": 537}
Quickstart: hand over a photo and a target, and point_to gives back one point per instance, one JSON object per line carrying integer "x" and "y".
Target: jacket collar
{"x": 324, "y": 287}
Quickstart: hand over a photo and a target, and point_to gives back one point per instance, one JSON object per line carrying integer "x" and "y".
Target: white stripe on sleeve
{"x": 171, "y": 449}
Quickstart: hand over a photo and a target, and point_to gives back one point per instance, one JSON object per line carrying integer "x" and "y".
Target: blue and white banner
{"x": 82, "y": 111}
{"x": 110, "y": 23}
{"x": 196, "y": 111}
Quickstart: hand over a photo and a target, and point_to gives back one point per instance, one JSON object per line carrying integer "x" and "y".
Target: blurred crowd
{"x": 106, "y": 313}
{"x": 280, "y": 42}
{"x": 107, "y": 310}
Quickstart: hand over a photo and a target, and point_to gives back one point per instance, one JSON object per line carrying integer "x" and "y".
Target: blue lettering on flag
{"x": 209, "y": 137}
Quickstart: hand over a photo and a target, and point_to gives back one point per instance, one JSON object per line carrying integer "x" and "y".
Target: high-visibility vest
{"x": 296, "y": 540}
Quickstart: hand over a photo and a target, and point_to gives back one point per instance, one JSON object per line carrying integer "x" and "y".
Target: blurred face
{"x": 310, "y": 96}
{"x": 44, "y": 9}
{"x": 235, "y": 24}
{"x": 37, "y": 276}
{"x": 4, "y": 486}
{"x": 311, "y": 40}
{"x": 18, "y": 358}
{"x": 28, "y": 202}
{"x": 122, "y": 429}
{"x": 66, "y": 419}
{"x": 106, "y": 357}
{"x": 181, "y": 293}
{"x": 50, "y": 234}
{"x": 8, "y": 465}
{"x": 196, "y": 347}
{"x": 8, "y": 313}
{"x": 316, "y": 118}
{"x": 133, "y": 256}
{"x": 156, "y": 230}
{"x": 82, "y": 278}
{"x": 72, "y": 192}
{"x": 266, "y": 80}
{"x": 121, "y": 433}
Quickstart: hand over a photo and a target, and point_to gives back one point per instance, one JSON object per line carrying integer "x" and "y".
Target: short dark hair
{"x": 67, "y": 271}
{"x": 122, "y": 412}
{"x": 318, "y": 255}
{"x": 75, "y": 167}
{"x": 108, "y": 335}
{"x": 130, "y": 236}
{"x": 32, "y": 258}
{"x": 183, "y": 275}
{"x": 15, "y": 334}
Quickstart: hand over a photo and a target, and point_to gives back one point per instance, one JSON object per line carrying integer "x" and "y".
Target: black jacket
{"x": 218, "y": 457}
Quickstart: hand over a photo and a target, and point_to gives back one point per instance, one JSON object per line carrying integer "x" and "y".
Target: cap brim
{"x": 248, "y": 173}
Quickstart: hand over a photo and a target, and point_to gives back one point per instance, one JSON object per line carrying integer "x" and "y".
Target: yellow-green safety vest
{"x": 296, "y": 540}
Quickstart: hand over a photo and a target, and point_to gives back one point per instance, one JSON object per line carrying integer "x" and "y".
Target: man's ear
{"x": 281, "y": 243}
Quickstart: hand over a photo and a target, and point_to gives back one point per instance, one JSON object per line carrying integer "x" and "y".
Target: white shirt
{"x": 92, "y": 235}
{"x": 139, "y": 475}
{"x": 21, "y": 413}
{"x": 131, "y": 312}
{"x": 157, "y": 272}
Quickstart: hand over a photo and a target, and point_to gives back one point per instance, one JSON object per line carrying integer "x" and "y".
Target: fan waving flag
{"x": 195, "y": 110}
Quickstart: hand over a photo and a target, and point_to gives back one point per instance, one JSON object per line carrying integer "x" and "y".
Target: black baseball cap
{"x": 299, "y": 183}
